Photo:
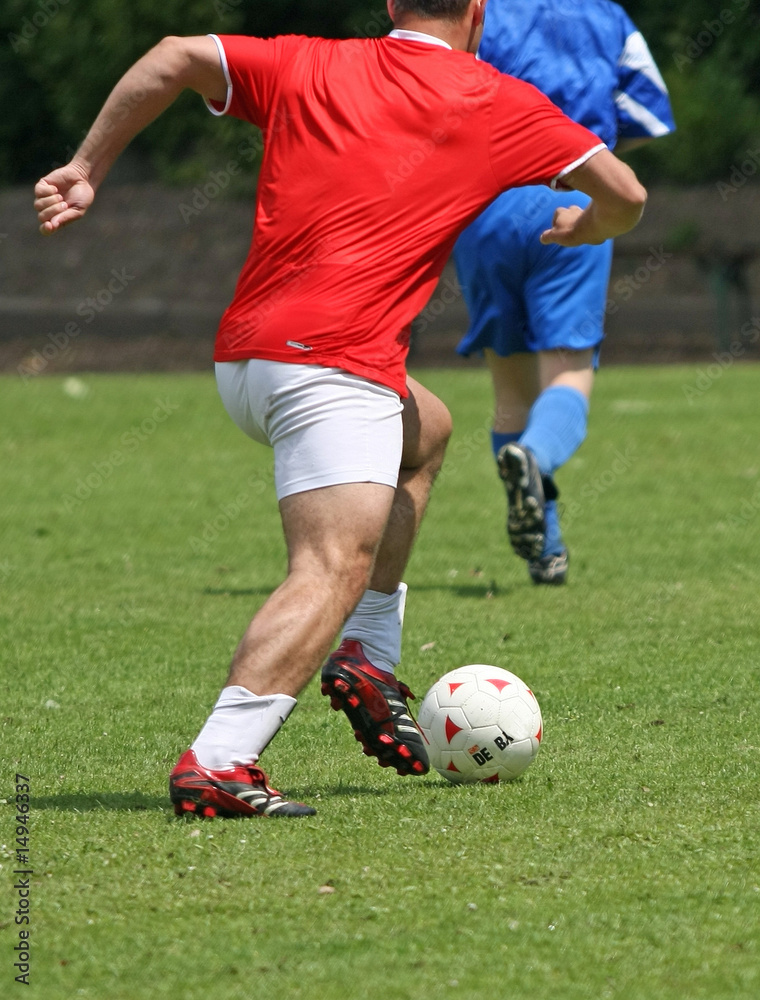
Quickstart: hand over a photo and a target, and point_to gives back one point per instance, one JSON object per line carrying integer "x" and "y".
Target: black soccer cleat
{"x": 242, "y": 790}
{"x": 376, "y": 705}
{"x": 526, "y": 524}
{"x": 551, "y": 569}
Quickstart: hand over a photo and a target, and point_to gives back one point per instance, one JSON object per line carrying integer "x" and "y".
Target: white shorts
{"x": 326, "y": 426}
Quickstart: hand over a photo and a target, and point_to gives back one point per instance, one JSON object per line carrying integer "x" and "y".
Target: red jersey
{"x": 377, "y": 154}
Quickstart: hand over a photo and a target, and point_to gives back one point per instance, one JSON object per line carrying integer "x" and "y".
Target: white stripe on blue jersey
{"x": 637, "y": 114}
{"x": 636, "y": 56}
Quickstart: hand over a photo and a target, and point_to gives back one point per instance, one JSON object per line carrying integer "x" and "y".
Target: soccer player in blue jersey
{"x": 536, "y": 311}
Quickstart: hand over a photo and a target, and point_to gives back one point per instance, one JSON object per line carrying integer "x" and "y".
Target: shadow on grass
{"x": 238, "y": 591}
{"x": 479, "y": 590}
{"x": 83, "y": 802}
{"x": 350, "y": 791}
{"x": 130, "y": 802}
{"x": 107, "y": 801}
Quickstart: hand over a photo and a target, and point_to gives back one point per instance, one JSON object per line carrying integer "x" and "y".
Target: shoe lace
{"x": 258, "y": 777}
{"x": 405, "y": 691}
{"x": 399, "y": 712}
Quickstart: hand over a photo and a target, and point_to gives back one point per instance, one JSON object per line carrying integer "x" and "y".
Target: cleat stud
{"x": 209, "y": 811}
{"x": 353, "y": 700}
{"x": 188, "y": 806}
{"x": 358, "y": 736}
{"x": 419, "y": 767}
{"x": 386, "y": 739}
{"x": 403, "y": 751}
{"x": 341, "y": 685}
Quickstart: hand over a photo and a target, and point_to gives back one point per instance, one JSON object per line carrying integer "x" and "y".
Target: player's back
{"x": 376, "y": 133}
{"x": 378, "y": 152}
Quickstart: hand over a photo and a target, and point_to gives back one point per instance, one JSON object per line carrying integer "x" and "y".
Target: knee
{"x": 344, "y": 572}
{"x": 427, "y": 449}
{"x": 348, "y": 580}
{"x": 442, "y": 433}
{"x": 442, "y": 424}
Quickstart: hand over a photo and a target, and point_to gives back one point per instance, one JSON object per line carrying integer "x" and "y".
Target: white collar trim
{"x": 417, "y": 36}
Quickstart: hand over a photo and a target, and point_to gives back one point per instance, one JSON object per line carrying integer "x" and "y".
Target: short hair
{"x": 439, "y": 10}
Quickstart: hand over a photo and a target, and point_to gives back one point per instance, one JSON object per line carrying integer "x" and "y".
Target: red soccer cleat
{"x": 376, "y": 705}
{"x": 242, "y": 790}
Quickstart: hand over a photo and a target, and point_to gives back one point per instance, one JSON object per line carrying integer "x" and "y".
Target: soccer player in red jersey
{"x": 378, "y": 152}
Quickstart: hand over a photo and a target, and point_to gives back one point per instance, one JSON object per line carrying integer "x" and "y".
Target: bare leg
{"x": 515, "y": 385}
{"x": 427, "y": 428}
{"x": 519, "y": 378}
{"x": 574, "y": 369}
{"x": 359, "y": 676}
{"x": 332, "y": 536}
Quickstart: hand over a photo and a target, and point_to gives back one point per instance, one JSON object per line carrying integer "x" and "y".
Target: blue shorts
{"x": 523, "y": 296}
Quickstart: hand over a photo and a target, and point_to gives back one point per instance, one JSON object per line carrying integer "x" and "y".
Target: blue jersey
{"x": 588, "y": 57}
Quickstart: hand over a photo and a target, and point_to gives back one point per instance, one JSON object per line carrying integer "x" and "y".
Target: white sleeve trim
{"x": 226, "y": 69}
{"x": 641, "y": 115}
{"x": 577, "y": 163}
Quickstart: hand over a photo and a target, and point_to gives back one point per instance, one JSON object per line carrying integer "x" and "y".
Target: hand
{"x": 566, "y": 228}
{"x": 62, "y": 196}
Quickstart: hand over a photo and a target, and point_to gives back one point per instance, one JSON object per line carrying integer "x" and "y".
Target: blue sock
{"x": 553, "y": 545}
{"x": 556, "y": 426}
{"x": 498, "y": 440}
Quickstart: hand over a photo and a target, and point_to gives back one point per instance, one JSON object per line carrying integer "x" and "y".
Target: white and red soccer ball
{"x": 480, "y": 723}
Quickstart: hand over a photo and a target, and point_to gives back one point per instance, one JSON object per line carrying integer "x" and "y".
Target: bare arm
{"x": 626, "y": 145}
{"x": 617, "y": 203}
{"x": 143, "y": 93}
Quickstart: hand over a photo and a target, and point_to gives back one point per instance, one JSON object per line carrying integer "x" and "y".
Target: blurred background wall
{"x": 141, "y": 284}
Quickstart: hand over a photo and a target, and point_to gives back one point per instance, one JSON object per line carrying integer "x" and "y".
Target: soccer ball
{"x": 480, "y": 723}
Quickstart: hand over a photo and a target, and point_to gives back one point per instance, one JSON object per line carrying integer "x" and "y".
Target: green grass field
{"x": 139, "y": 534}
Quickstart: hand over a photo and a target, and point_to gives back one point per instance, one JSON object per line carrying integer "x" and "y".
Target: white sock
{"x": 240, "y": 727}
{"x": 376, "y": 623}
